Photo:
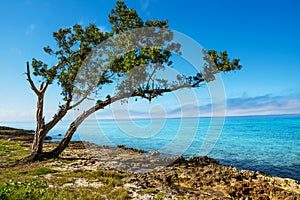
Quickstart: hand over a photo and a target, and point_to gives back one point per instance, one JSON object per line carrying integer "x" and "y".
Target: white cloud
{"x": 273, "y": 107}
{"x": 244, "y": 106}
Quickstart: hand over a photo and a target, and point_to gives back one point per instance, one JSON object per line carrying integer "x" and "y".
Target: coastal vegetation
{"x": 38, "y": 180}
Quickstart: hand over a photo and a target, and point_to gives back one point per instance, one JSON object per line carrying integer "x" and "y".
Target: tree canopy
{"x": 130, "y": 56}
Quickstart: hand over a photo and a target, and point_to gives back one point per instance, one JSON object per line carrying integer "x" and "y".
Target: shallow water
{"x": 270, "y": 144}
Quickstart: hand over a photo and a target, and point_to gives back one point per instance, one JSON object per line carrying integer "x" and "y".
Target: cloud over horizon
{"x": 263, "y": 105}
{"x": 240, "y": 106}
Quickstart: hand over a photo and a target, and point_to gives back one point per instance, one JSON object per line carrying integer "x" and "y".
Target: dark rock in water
{"x": 122, "y": 146}
{"x": 198, "y": 161}
{"x": 48, "y": 138}
{"x": 59, "y": 135}
{"x": 202, "y": 160}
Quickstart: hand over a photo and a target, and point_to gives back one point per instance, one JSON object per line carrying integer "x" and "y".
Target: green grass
{"x": 27, "y": 181}
{"x": 22, "y": 190}
{"x": 160, "y": 196}
{"x": 38, "y": 171}
{"x": 38, "y": 190}
{"x": 10, "y": 151}
{"x": 148, "y": 191}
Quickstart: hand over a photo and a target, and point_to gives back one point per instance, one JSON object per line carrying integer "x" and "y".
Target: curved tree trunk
{"x": 43, "y": 129}
{"x": 70, "y": 132}
{"x": 39, "y": 137}
{"x": 74, "y": 125}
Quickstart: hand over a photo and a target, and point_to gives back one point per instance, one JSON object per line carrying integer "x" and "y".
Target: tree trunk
{"x": 70, "y": 132}
{"x": 65, "y": 141}
{"x": 73, "y": 127}
{"x": 40, "y": 134}
{"x": 42, "y": 130}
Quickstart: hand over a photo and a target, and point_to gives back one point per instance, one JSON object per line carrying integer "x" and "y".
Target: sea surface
{"x": 270, "y": 144}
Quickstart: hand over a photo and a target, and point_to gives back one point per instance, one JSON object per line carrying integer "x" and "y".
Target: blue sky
{"x": 263, "y": 34}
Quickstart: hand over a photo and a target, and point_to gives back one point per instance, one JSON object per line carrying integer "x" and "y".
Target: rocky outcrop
{"x": 204, "y": 178}
{"x": 177, "y": 178}
{"x": 122, "y": 146}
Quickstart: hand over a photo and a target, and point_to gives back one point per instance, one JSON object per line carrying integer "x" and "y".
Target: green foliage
{"x": 19, "y": 190}
{"x": 124, "y": 19}
{"x": 218, "y": 62}
{"x": 155, "y": 47}
{"x": 35, "y": 190}
{"x": 75, "y": 43}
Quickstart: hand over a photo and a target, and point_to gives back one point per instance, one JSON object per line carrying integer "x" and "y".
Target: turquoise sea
{"x": 270, "y": 144}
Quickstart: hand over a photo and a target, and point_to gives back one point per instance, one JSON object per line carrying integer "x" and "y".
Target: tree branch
{"x": 77, "y": 103}
{"x": 150, "y": 77}
{"x": 197, "y": 83}
{"x": 44, "y": 88}
{"x": 33, "y": 87}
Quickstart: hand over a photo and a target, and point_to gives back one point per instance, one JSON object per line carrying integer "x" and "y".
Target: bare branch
{"x": 77, "y": 103}
{"x": 33, "y": 87}
{"x": 57, "y": 117}
{"x": 197, "y": 83}
{"x": 43, "y": 89}
{"x": 150, "y": 78}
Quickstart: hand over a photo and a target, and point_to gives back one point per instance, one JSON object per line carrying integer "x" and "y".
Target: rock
{"x": 48, "y": 138}
{"x": 154, "y": 153}
{"x": 122, "y": 146}
{"x": 179, "y": 161}
{"x": 202, "y": 160}
{"x": 196, "y": 178}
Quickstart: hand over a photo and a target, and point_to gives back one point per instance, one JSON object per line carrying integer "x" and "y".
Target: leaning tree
{"x": 130, "y": 57}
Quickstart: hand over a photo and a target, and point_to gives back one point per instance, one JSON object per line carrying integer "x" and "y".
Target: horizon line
{"x": 141, "y": 118}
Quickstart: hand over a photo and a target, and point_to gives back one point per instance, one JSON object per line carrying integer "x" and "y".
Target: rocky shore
{"x": 153, "y": 177}
{"x": 196, "y": 178}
